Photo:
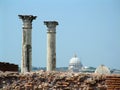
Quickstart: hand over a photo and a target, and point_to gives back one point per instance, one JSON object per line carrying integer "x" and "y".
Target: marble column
{"x": 51, "y": 45}
{"x": 26, "y": 63}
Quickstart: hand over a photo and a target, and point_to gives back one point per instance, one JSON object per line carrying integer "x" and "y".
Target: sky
{"x": 89, "y": 28}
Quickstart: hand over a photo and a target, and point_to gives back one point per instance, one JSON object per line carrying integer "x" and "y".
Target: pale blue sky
{"x": 90, "y": 28}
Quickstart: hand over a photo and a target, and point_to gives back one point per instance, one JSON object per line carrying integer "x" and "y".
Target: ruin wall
{"x": 8, "y": 67}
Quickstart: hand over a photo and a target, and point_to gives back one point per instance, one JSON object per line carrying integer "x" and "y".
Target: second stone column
{"x": 51, "y": 45}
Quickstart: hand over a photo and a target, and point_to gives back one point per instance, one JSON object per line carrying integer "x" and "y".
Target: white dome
{"x": 75, "y": 64}
{"x": 102, "y": 70}
{"x": 74, "y": 60}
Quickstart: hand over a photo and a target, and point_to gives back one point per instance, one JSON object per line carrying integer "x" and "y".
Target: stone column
{"x": 26, "y": 63}
{"x": 51, "y": 44}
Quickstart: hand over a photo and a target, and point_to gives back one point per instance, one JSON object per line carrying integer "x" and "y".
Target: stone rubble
{"x": 44, "y": 80}
{"x": 113, "y": 82}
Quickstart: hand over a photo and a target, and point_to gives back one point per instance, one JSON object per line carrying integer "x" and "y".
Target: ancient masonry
{"x": 26, "y": 63}
{"x": 51, "y": 44}
{"x": 113, "y": 82}
{"x": 8, "y": 67}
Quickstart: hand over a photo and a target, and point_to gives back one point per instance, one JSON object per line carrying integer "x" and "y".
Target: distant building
{"x": 75, "y": 64}
{"x": 115, "y": 71}
{"x": 102, "y": 70}
{"x": 88, "y": 69}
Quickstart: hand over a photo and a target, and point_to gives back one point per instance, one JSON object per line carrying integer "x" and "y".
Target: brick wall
{"x": 8, "y": 67}
{"x": 113, "y": 82}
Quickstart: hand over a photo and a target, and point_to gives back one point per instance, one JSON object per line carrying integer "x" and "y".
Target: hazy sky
{"x": 89, "y": 28}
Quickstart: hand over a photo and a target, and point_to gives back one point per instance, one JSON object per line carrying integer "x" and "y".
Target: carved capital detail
{"x": 51, "y": 24}
{"x": 27, "y": 18}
